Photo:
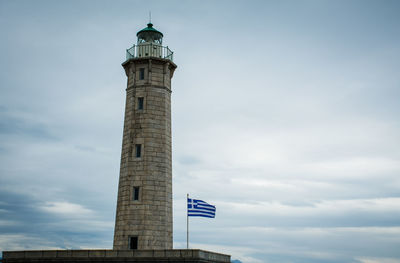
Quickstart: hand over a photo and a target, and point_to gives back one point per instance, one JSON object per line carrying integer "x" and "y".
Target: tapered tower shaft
{"x": 144, "y": 205}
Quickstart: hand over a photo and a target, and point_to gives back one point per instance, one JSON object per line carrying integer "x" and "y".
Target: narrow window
{"x": 136, "y": 193}
{"x": 140, "y": 103}
{"x": 141, "y": 73}
{"x": 133, "y": 242}
{"x": 138, "y": 149}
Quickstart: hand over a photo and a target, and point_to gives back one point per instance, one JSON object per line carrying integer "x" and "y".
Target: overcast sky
{"x": 285, "y": 115}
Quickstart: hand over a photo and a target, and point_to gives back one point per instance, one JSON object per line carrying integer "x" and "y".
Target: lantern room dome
{"x": 149, "y": 35}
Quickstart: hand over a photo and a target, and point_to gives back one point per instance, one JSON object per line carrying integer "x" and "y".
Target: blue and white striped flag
{"x": 200, "y": 208}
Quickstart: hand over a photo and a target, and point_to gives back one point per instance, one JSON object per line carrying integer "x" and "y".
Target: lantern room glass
{"x": 149, "y": 35}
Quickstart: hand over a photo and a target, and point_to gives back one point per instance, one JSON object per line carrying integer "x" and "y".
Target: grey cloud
{"x": 286, "y": 116}
{"x": 29, "y": 221}
{"x": 14, "y": 126}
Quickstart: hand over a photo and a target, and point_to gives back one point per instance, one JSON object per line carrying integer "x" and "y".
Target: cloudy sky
{"x": 285, "y": 115}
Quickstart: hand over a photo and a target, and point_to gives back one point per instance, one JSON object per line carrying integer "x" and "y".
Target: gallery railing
{"x": 149, "y": 50}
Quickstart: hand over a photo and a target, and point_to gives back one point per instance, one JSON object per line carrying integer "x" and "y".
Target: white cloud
{"x": 378, "y": 260}
{"x": 24, "y": 242}
{"x": 7, "y": 223}
{"x": 67, "y": 209}
{"x": 381, "y": 205}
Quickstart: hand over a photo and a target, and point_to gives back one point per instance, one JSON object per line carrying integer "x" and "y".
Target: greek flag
{"x": 200, "y": 208}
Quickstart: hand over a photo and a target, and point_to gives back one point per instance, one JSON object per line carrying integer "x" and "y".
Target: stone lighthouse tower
{"x": 144, "y": 206}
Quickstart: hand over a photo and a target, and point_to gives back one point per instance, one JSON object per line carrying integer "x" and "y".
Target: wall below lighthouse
{"x": 144, "y": 205}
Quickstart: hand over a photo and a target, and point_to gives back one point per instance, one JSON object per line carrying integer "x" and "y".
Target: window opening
{"x": 133, "y": 242}
{"x": 140, "y": 103}
{"x": 141, "y": 73}
{"x": 136, "y": 193}
{"x": 138, "y": 150}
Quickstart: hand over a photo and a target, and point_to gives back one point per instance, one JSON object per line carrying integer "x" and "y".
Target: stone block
{"x": 111, "y": 253}
{"x": 49, "y": 254}
{"x": 125, "y": 253}
{"x": 175, "y": 253}
{"x": 186, "y": 253}
{"x": 80, "y": 253}
{"x": 196, "y": 253}
{"x": 34, "y": 254}
{"x": 159, "y": 253}
{"x": 97, "y": 253}
{"x": 14, "y": 254}
{"x": 64, "y": 253}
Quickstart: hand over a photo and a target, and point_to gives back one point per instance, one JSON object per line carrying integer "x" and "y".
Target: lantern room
{"x": 149, "y": 44}
{"x": 149, "y": 35}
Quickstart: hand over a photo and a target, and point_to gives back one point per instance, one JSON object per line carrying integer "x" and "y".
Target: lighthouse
{"x": 143, "y": 223}
{"x": 144, "y": 204}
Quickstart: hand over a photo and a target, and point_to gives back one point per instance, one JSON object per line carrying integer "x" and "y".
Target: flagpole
{"x": 187, "y": 223}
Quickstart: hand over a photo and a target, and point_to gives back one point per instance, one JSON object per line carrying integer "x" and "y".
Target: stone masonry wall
{"x": 115, "y": 256}
{"x": 150, "y": 217}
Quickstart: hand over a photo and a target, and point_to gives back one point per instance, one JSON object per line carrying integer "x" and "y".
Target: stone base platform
{"x": 115, "y": 256}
